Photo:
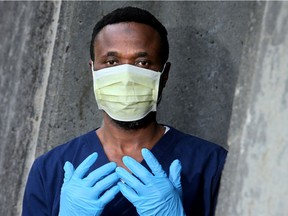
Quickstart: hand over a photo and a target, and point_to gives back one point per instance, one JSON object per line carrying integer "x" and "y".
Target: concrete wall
{"x": 27, "y": 37}
{"x": 46, "y": 93}
{"x": 256, "y": 172}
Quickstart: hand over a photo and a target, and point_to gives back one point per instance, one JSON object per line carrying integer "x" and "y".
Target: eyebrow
{"x": 112, "y": 53}
{"x": 139, "y": 54}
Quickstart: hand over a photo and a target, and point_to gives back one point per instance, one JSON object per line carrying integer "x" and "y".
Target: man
{"x": 131, "y": 165}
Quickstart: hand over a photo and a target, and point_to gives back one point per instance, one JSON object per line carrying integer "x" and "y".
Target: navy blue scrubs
{"x": 202, "y": 164}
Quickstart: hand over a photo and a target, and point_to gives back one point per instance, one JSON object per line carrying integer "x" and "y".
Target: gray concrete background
{"x": 46, "y": 93}
{"x": 26, "y": 44}
{"x": 255, "y": 177}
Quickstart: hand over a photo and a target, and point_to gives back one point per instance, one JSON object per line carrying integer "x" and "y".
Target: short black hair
{"x": 132, "y": 14}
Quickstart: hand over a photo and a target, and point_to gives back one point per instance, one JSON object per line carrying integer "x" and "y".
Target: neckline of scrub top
{"x": 158, "y": 150}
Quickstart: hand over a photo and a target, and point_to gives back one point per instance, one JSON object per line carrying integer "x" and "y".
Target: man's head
{"x": 132, "y": 14}
{"x": 131, "y": 36}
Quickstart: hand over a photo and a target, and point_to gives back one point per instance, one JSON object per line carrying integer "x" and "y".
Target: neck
{"x": 128, "y": 141}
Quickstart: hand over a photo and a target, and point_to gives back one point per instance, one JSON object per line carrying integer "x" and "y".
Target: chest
{"x": 116, "y": 156}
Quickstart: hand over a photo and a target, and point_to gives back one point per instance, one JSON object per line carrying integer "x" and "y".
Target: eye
{"x": 111, "y": 62}
{"x": 143, "y": 63}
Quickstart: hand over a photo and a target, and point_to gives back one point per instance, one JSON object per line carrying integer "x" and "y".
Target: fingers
{"x": 137, "y": 169}
{"x": 108, "y": 195}
{"x": 127, "y": 192}
{"x": 130, "y": 180}
{"x": 105, "y": 183}
{"x": 99, "y": 173}
{"x": 152, "y": 162}
{"x": 175, "y": 174}
{"x": 85, "y": 165}
{"x": 68, "y": 171}
{"x": 140, "y": 171}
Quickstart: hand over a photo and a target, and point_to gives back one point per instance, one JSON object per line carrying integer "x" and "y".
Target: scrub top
{"x": 202, "y": 163}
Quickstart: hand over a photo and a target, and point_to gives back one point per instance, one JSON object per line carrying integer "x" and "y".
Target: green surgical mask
{"x": 126, "y": 92}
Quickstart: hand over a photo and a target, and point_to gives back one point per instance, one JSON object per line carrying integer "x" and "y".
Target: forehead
{"x": 127, "y": 35}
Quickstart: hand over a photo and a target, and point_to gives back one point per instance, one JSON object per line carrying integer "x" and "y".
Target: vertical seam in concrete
{"x": 236, "y": 154}
{"x": 40, "y": 97}
{"x": 239, "y": 205}
{"x": 248, "y": 111}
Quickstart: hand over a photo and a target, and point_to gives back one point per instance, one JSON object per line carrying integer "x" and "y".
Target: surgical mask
{"x": 126, "y": 92}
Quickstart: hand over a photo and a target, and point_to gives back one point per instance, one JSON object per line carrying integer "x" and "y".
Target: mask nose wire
{"x": 92, "y": 67}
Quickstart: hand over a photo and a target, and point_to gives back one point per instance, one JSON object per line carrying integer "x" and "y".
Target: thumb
{"x": 175, "y": 175}
{"x": 68, "y": 171}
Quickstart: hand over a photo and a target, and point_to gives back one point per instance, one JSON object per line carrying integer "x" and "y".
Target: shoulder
{"x": 202, "y": 164}
{"x": 46, "y": 175}
{"x": 68, "y": 151}
{"x": 195, "y": 153}
{"x": 185, "y": 143}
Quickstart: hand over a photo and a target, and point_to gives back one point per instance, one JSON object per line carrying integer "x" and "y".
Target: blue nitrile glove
{"x": 81, "y": 196}
{"x": 152, "y": 194}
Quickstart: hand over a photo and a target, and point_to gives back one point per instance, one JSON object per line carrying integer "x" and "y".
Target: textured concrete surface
{"x": 27, "y": 35}
{"x": 255, "y": 175}
{"x": 46, "y": 93}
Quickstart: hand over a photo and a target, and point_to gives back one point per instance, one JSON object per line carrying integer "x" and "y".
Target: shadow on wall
{"x": 201, "y": 85}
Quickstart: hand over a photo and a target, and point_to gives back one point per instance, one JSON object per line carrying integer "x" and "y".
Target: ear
{"x": 165, "y": 74}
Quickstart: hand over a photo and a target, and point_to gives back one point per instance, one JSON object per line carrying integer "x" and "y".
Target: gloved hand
{"x": 152, "y": 194}
{"x": 83, "y": 196}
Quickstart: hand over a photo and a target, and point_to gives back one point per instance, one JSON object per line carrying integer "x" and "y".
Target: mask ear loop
{"x": 160, "y": 96}
{"x": 164, "y": 67}
{"x": 92, "y": 66}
